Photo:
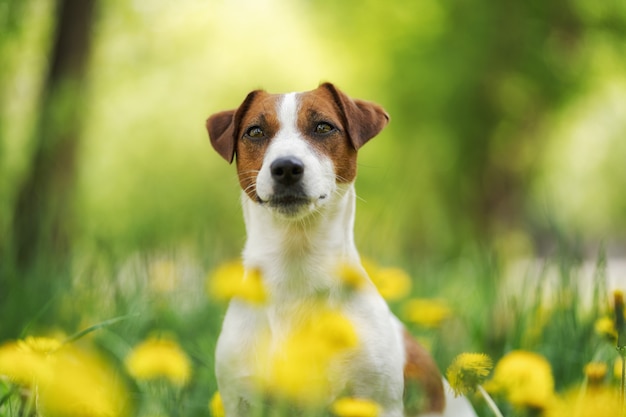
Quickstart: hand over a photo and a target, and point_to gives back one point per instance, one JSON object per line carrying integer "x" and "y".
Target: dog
{"x": 296, "y": 159}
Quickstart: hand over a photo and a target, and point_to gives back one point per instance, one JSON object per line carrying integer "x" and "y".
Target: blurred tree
{"x": 472, "y": 87}
{"x": 497, "y": 72}
{"x": 10, "y": 14}
{"x": 42, "y": 219}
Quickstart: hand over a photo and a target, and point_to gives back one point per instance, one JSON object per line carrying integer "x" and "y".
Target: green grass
{"x": 111, "y": 305}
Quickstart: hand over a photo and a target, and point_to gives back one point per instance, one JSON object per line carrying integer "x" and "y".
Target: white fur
{"x": 298, "y": 258}
{"x": 319, "y": 175}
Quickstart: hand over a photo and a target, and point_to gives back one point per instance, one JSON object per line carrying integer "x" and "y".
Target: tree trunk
{"x": 42, "y": 220}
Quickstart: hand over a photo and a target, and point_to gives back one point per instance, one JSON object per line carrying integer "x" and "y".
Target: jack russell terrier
{"x": 296, "y": 159}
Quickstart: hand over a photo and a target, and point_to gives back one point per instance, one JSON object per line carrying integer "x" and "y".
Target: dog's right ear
{"x": 223, "y": 128}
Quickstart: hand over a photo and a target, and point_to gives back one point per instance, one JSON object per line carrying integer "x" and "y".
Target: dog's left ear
{"x": 363, "y": 119}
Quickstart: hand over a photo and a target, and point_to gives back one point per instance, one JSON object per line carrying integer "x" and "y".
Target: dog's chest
{"x": 257, "y": 341}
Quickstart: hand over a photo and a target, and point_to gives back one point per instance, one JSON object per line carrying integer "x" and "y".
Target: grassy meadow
{"x": 137, "y": 336}
{"x": 490, "y": 212}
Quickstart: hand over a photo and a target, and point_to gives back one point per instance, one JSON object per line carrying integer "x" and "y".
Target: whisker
{"x": 251, "y": 187}
{"x": 247, "y": 178}
{"x": 250, "y": 171}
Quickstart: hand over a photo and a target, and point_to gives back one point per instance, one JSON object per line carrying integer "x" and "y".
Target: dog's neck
{"x": 301, "y": 255}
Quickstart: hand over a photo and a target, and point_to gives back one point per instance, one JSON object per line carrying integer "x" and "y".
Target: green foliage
{"x": 506, "y": 143}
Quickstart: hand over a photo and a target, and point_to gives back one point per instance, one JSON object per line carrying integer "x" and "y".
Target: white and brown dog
{"x": 296, "y": 161}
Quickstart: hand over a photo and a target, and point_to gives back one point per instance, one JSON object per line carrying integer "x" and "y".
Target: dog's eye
{"x": 323, "y": 128}
{"x": 255, "y": 132}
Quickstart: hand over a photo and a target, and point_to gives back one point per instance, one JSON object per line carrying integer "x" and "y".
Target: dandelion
{"x": 605, "y": 327}
{"x": 467, "y": 371}
{"x": 43, "y": 345}
{"x": 355, "y": 407}
{"x": 230, "y": 280}
{"x": 216, "y": 406}
{"x": 466, "y": 374}
{"x": 599, "y": 401}
{"x": 429, "y": 313}
{"x": 83, "y": 386}
{"x": 392, "y": 283}
{"x": 299, "y": 370}
{"x": 27, "y": 362}
{"x": 156, "y": 358}
{"x": 524, "y": 378}
{"x": 617, "y": 368}
{"x": 595, "y": 372}
{"x": 350, "y": 276}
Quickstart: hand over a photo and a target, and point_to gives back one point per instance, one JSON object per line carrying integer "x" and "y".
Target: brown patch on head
{"x": 250, "y": 149}
{"x": 354, "y": 122}
{"x": 316, "y": 107}
{"x": 228, "y": 131}
{"x": 421, "y": 376}
{"x": 363, "y": 119}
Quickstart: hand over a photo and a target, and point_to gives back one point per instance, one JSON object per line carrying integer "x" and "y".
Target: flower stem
{"x": 490, "y": 402}
{"x": 622, "y": 392}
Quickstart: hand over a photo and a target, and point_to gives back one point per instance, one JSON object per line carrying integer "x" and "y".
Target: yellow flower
{"x": 594, "y": 402}
{"x": 617, "y": 368}
{"x": 392, "y": 283}
{"x": 156, "y": 358}
{"x": 43, "y": 345}
{"x": 27, "y": 361}
{"x": 230, "y": 280}
{"x": 82, "y": 386}
{"x": 216, "y": 406}
{"x": 524, "y": 378}
{"x": 605, "y": 327}
{"x": 595, "y": 372}
{"x": 428, "y": 313}
{"x": 299, "y": 370}
{"x": 351, "y": 276}
{"x": 355, "y": 407}
{"x": 68, "y": 382}
{"x": 467, "y": 371}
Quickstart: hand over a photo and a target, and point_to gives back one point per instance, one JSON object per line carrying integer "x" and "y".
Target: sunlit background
{"x": 507, "y": 138}
{"x": 507, "y": 124}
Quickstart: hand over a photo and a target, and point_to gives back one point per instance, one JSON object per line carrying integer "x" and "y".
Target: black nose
{"x": 287, "y": 170}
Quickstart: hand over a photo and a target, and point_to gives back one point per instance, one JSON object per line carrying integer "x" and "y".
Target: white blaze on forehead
{"x": 288, "y": 112}
{"x": 288, "y": 141}
{"x": 319, "y": 177}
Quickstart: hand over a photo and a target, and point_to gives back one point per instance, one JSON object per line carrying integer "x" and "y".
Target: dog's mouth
{"x": 289, "y": 204}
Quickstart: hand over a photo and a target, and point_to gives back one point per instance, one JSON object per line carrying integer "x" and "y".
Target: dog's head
{"x": 294, "y": 150}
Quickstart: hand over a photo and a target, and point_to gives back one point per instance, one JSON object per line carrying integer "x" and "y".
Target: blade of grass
{"x": 97, "y": 326}
{"x": 8, "y": 395}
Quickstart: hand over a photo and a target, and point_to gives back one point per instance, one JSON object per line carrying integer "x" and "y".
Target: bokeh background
{"x": 507, "y": 139}
{"x": 508, "y": 118}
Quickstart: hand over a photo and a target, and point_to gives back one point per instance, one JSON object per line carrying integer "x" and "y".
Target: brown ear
{"x": 363, "y": 119}
{"x": 223, "y": 128}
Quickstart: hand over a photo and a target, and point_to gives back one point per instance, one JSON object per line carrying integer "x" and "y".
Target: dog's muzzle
{"x": 289, "y": 194}
{"x": 287, "y": 171}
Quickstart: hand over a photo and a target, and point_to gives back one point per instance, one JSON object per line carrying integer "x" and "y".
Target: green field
{"x": 492, "y": 204}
